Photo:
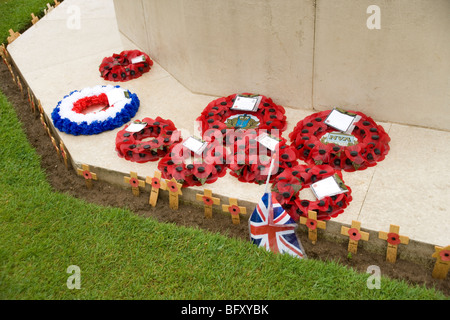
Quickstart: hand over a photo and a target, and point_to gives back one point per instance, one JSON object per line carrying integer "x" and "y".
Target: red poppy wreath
{"x": 318, "y": 143}
{"x": 127, "y": 65}
{"x": 221, "y": 114}
{"x": 251, "y": 157}
{"x": 288, "y": 184}
{"x": 146, "y": 140}
{"x": 191, "y": 169}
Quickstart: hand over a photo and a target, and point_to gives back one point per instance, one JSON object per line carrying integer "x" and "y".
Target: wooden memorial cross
{"x": 4, "y": 53}
{"x": 63, "y": 154}
{"x": 19, "y": 84}
{"x": 56, "y": 3}
{"x": 312, "y": 224}
{"x": 87, "y": 174}
{"x": 355, "y": 234}
{"x": 442, "y": 264}
{"x": 41, "y": 110}
{"x": 135, "y": 183}
{"x": 31, "y": 101}
{"x": 174, "y": 189}
{"x": 234, "y": 209}
{"x": 34, "y": 19}
{"x": 49, "y": 8}
{"x": 208, "y": 201}
{"x": 13, "y": 35}
{"x": 55, "y": 146}
{"x": 155, "y": 184}
{"x": 394, "y": 239}
{"x": 12, "y": 73}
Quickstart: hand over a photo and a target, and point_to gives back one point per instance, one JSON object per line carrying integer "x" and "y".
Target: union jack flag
{"x": 271, "y": 227}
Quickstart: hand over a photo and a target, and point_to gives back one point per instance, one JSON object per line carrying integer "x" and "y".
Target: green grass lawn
{"x": 123, "y": 256}
{"x": 16, "y": 15}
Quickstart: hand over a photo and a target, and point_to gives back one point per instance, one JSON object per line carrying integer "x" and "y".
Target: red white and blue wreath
{"x": 316, "y": 142}
{"x": 95, "y": 110}
{"x": 146, "y": 140}
{"x": 288, "y": 184}
{"x": 225, "y": 115}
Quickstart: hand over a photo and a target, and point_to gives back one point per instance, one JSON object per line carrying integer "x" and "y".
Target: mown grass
{"x": 123, "y": 256}
{"x": 16, "y": 15}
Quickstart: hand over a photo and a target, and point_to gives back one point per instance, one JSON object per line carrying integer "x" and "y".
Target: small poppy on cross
{"x": 135, "y": 183}
{"x": 355, "y": 234}
{"x": 155, "y": 184}
{"x": 234, "y": 209}
{"x": 208, "y": 201}
{"x": 174, "y": 188}
{"x": 442, "y": 265}
{"x": 87, "y": 174}
{"x": 393, "y": 239}
{"x": 312, "y": 224}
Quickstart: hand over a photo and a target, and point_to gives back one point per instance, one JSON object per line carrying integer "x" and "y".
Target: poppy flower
{"x": 207, "y": 200}
{"x": 234, "y": 209}
{"x": 311, "y": 224}
{"x": 445, "y": 255}
{"x": 393, "y": 238}
{"x": 156, "y": 184}
{"x": 321, "y": 153}
{"x": 354, "y": 234}
{"x": 172, "y": 186}
{"x": 87, "y": 175}
{"x": 134, "y": 182}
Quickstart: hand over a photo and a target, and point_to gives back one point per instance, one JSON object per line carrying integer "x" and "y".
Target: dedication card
{"x": 195, "y": 145}
{"x": 249, "y": 104}
{"x": 342, "y": 121}
{"x": 268, "y": 141}
{"x": 136, "y": 126}
{"x": 328, "y": 187}
{"x": 117, "y": 94}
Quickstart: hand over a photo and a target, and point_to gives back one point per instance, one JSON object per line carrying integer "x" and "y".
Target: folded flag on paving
{"x": 272, "y": 228}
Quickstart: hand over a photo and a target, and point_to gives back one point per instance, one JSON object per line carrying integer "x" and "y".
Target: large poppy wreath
{"x": 288, "y": 184}
{"x": 369, "y": 145}
{"x": 190, "y": 169}
{"x": 88, "y": 111}
{"x": 218, "y": 115}
{"x": 127, "y": 65}
{"x": 150, "y": 143}
{"x": 251, "y": 160}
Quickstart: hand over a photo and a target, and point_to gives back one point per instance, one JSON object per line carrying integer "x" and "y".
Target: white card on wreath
{"x": 267, "y": 141}
{"x": 195, "y": 145}
{"x": 249, "y": 104}
{"x": 138, "y": 59}
{"x": 116, "y": 94}
{"x": 341, "y": 121}
{"x": 136, "y": 126}
{"x": 327, "y": 187}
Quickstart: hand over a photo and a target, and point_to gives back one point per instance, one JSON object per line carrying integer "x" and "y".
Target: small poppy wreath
{"x": 218, "y": 115}
{"x": 189, "y": 170}
{"x": 72, "y": 114}
{"x": 251, "y": 161}
{"x": 288, "y": 184}
{"x": 371, "y": 147}
{"x": 151, "y": 143}
{"x": 127, "y": 65}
